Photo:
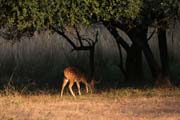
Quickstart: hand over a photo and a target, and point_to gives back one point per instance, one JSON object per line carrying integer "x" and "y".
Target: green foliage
{"x": 115, "y": 9}
{"x": 42, "y": 14}
{"x": 160, "y": 10}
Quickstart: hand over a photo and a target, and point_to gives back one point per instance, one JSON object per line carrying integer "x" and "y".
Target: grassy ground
{"x": 121, "y": 104}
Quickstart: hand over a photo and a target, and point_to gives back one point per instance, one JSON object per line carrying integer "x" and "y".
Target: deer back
{"x": 72, "y": 73}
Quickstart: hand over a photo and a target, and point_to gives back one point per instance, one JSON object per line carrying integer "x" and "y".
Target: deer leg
{"x": 79, "y": 88}
{"x": 87, "y": 86}
{"x": 70, "y": 88}
{"x": 65, "y": 81}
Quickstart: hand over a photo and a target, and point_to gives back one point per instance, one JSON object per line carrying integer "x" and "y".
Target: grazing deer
{"x": 71, "y": 75}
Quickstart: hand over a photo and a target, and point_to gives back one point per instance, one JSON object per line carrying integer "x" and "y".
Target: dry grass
{"x": 125, "y": 104}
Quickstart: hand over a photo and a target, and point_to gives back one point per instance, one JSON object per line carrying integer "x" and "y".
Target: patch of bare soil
{"x": 47, "y": 107}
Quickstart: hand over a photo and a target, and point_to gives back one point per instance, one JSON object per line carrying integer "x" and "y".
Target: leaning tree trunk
{"x": 141, "y": 33}
{"x": 164, "y": 80}
{"x": 138, "y": 35}
{"x": 133, "y": 68}
{"x": 91, "y": 58}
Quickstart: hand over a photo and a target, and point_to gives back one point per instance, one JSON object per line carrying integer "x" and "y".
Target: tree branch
{"x": 96, "y": 40}
{"x": 81, "y": 47}
{"x": 116, "y": 36}
{"x": 65, "y": 36}
{"x": 78, "y": 35}
{"x": 151, "y": 35}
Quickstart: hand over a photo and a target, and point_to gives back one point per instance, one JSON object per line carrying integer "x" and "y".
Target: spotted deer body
{"x": 73, "y": 75}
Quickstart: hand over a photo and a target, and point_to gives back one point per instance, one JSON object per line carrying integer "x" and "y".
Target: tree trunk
{"x": 141, "y": 33}
{"x": 164, "y": 80}
{"x": 138, "y": 35}
{"x": 134, "y": 66}
{"x": 133, "y": 71}
{"x": 91, "y": 58}
{"x": 153, "y": 64}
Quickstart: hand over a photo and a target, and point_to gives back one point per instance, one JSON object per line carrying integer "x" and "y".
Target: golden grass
{"x": 123, "y": 104}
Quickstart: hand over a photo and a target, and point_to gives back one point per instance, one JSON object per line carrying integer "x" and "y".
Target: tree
{"x": 153, "y": 13}
{"x": 24, "y": 17}
{"x": 160, "y": 14}
{"x": 112, "y": 14}
{"x": 132, "y": 16}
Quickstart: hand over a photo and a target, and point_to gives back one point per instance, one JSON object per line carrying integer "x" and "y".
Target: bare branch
{"x": 78, "y": 35}
{"x": 80, "y": 38}
{"x": 62, "y": 33}
{"x": 96, "y": 40}
{"x": 151, "y": 35}
{"x": 116, "y": 35}
{"x": 121, "y": 62}
{"x": 88, "y": 41}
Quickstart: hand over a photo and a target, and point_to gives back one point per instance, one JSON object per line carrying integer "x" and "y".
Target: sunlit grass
{"x": 126, "y": 103}
{"x": 148, "y": 92}
{"x": 122, "y": 92}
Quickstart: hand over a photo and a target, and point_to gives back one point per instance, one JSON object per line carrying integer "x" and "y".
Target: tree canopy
{"x": 41, "y": 14}
{"x": 32, "y": 15}
{"x": 160, "y": 11}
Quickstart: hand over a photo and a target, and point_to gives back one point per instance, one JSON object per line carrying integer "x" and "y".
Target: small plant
{"x": 9, "y": 90}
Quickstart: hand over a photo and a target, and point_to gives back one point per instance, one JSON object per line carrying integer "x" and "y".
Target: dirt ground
{"x": 94, "y": 107}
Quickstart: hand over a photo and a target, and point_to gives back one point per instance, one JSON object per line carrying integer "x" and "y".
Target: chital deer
{"x": 71, "y": 75}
